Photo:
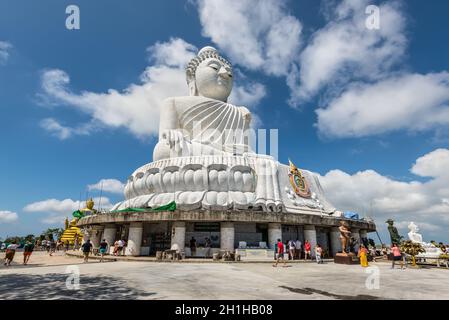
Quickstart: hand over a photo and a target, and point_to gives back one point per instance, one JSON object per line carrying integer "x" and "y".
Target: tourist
{"x": 193, "y": 246}
{"x": 298, "y": 246}
{"x": 76, "y": 243}
{"x": 115, "y": 248}
{"x": 103, "y": 248}
{"x": 124, "y": 245}
{"x": 87, "y": 249}
{"x": 10, "y": 252}
{"x": 397, "y": 255}
{"x": 276, "y": 251}
{"x": 121, "y": 245}
{"x": 280, "y": 253}
{"x": 363, "y": 255}
{"x": 291, "y": 249}
{"x": 48, "y": 246}
{"x": 207, "y": 248}
{"x": 27, "y": 251}
{"x": 67, "y": 245}
{"x": 52, "y": 247}
{"x": 318, "y": 254}
{"x": 307, "y": 248}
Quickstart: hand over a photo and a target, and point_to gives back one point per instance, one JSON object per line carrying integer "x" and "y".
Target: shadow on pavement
{"x": 310, "y": 291}
{"x": 53, "y": 286}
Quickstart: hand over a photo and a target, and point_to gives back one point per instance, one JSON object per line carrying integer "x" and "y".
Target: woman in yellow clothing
{"x": 363, "y": 255}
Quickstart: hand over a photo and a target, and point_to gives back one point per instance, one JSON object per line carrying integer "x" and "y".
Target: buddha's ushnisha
{"x": 203, "y": 123}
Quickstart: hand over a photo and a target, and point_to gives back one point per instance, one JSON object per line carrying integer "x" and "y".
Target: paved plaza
{"x": 45, "y": 278}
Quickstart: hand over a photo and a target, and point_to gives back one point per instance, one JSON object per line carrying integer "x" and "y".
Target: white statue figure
{"x": 413, "y": 235}
{"x": 203, "y": 123}
{"x": 431, "y": 250}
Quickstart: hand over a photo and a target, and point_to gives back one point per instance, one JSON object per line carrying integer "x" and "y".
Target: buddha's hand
{"x": 174, "y": 139}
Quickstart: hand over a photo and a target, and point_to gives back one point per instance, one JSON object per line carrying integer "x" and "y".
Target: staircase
{"x": 69, "y": 235}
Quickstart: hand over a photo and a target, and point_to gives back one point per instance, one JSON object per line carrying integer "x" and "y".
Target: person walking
{"x": 76, "y": 243}
{"x": 52, "y": 247}
{"x": 363, "y": 255}
{"x": 318, "y": 254}
{"x": 103, "y": 249}
{"x": 298, "y": 246}
{"x": 10, "y": 252}
{"x": 207, "y": 247}
{"x": 193, "y": 246}
{"x": 397, "y": 256}
{"x": 291, "y": 249}
{"x": 280, "y": 253}
{"x": 307, "y": 248}
{"x": 121, "y": 244}
{"x": 87, "y": 249}
{"x": 115, "y": 248}
{"x": 27, "y": 251}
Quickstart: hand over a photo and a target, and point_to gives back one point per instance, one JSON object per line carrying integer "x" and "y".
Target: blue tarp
{"x": 351, "y": 215}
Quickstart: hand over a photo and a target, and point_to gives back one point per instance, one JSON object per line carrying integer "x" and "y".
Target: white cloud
{"x": 137, "y": 107}
{"x": 5, "y": 47}
{"x": 63, "y": 132}
{"x": 262, "y": 36}
{"x": 344, "y": 49}
{"x": 434, "y": 164}
{"x": 58, "y": 210}
{"x": 248, "y": 95}
{"x": 410, "y": 101}
{"x": 108, "y": 185}
{"x": 8, "y": 216}
{"x": 421, "y": 202}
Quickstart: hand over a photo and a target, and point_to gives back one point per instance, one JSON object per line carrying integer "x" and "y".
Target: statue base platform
{"x": 346, "y": 258}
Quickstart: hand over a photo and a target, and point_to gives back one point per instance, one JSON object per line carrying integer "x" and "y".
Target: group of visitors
{"x": 395, "y": 251}
{"x": 294, "y": 249}
{"x": 119, "y": 247}
{"x": 207, "y": 247}
{"x": 11, "y": 251}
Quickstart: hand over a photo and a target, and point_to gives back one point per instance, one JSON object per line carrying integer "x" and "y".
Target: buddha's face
{"x": 214, "y": 79}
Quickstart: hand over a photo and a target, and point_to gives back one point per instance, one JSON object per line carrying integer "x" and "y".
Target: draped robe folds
{"x": 215, "y": 127}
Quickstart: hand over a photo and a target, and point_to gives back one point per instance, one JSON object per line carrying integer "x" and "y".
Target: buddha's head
{"x": 413, "y": 227}
{"x": 209, "y": 75}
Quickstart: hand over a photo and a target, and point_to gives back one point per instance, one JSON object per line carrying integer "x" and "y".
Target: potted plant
{"x": 412, "y": 248}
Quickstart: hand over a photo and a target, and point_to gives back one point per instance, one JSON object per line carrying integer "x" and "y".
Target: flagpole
{"x": 101, "y": 193}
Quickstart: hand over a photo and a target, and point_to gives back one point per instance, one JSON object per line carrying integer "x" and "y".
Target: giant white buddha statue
{"x": 203, "y": 123}
{"x": 204, "y": 158}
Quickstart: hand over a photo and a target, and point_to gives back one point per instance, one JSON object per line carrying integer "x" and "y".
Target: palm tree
{"x": 412, "y": 248}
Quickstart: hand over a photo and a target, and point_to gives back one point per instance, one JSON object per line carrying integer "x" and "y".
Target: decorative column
{"x": 110, "y": 230}
{"x": 363, "y": 235}
{"x": 356, "y": 235}
{"x": 335, "y": 241}
{"x": 86, "y": 233}
{"x": 134, "y": 239}
{"x": 310, "y": 235}
{"x": 178, "y": 234}
{"x": 274, "y": 233}
{"x": 227, "y": 235}
{"x": 95, "y": 235}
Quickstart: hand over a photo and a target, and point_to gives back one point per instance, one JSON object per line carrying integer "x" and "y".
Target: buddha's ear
{"x": 193, "y": 90}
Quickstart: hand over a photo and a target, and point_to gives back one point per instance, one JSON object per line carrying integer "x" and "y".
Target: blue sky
{"x": 389, "y": 152}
